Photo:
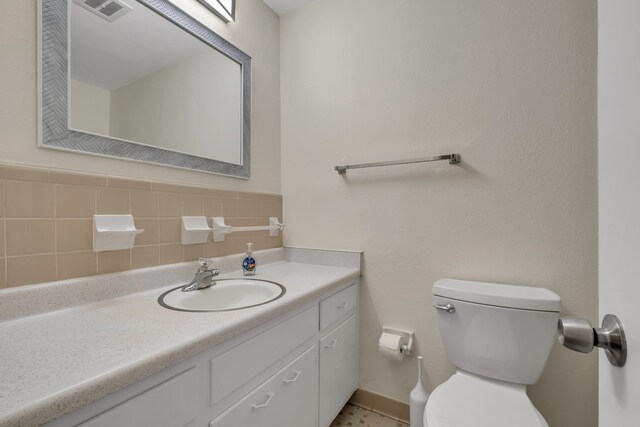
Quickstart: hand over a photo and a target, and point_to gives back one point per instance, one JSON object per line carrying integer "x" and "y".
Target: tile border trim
{"x": 380, "y": 404}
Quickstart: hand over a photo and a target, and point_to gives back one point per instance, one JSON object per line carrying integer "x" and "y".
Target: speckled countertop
{"x": 55, "y": 362}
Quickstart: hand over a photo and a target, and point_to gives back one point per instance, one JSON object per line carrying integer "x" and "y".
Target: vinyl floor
{"x": 354, "y": 416}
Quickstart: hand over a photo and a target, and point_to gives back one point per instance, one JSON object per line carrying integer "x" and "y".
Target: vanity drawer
{"x": 290, "y": 396}
{"x": 336, "y": 306}
{"x": 172, "y": 403}
{"x": 240, "y": 364}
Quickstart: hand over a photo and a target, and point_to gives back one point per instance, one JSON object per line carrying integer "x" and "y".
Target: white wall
{"x": 509, "y": 84}
{"x": 193, "y": 107}
{"x": 619, "y": 200}
{"x": 89, "y": 108}
{"x": 256, "y": 32}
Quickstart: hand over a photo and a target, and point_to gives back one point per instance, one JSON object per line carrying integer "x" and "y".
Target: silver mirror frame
{"x": 53, "y": 74}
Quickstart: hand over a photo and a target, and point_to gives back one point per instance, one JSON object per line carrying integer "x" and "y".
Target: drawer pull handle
{"x": 295, "y": 377}
{"x": 332, "y": 344}
{"x": 265, "y": 404}
{"x": 342, "y": 306}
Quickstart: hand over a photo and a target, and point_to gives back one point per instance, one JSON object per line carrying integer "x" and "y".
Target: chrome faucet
{"x": 204, "y": 277}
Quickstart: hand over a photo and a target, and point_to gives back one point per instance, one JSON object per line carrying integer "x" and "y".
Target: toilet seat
{"x": 466, "y": 400}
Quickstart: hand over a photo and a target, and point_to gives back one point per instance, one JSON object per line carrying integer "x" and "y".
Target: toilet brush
{"x": 418, "y": 399}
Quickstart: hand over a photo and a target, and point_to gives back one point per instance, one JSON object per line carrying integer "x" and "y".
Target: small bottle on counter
{"x": 249, "y": 263}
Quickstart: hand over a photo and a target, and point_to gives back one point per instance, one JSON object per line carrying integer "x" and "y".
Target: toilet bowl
{"x": 499, "y": 338}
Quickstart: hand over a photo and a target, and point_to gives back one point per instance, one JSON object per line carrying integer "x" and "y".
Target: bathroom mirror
{"x": 144, "y": 81}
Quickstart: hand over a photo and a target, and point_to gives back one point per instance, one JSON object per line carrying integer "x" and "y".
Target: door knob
{"x": 579, "y": 335}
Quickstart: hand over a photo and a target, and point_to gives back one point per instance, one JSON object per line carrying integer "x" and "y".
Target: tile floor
{"x": 357, "y": 417}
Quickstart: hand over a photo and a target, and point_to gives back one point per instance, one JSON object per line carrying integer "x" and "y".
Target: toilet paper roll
{"x": 391, "y": 346}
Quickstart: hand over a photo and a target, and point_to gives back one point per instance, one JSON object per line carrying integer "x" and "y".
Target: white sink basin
{"x": 225, "y": 295}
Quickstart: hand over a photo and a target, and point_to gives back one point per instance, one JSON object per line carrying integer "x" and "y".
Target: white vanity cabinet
{"x": 297, "y": 370}
{"x": 338, "y": 352}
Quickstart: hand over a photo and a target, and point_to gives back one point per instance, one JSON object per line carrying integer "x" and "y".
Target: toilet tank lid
{"x": 509, "y": 296}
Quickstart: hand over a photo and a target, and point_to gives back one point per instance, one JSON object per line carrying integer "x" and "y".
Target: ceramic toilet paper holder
{"x": 578, "y": 335}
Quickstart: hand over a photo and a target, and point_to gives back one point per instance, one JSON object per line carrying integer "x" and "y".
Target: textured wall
{"x": 255, "y": 32}
{"x": 509, "y": 84}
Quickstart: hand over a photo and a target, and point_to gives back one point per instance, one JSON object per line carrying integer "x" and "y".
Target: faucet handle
{"x": 203, "y": 264}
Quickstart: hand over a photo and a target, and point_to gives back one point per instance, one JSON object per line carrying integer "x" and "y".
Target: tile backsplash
{"x": 46, "y": 222}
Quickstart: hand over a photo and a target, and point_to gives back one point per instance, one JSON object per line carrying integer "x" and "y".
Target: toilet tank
{"x": 503, "y": 332}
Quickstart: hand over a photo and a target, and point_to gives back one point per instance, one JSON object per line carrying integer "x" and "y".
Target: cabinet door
{"x": 288, "y": 398}
{"x": 338, "y": 369}
{"x": 170, "y": 404}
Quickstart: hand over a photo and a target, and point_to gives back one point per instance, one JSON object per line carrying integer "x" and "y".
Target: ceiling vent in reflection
{"x": 109, "y": 10}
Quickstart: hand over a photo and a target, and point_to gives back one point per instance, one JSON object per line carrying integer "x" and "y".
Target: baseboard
{"x": 381, "y": 404}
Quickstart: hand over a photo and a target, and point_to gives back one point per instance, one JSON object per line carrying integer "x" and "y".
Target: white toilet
{"x": 499, "y": 338}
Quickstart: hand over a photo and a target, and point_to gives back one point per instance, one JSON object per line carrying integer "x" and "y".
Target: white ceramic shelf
{"x": 113, "y": 232}
{"x": 195, "y": 230}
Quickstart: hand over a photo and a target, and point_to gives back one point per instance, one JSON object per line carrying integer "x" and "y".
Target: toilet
{"x": 499, "y": 338}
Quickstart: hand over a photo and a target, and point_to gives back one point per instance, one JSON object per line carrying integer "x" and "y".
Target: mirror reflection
{"x": 136, "y": 76}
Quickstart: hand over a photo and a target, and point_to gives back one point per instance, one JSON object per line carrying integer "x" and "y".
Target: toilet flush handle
{"x": 449, "y": 308}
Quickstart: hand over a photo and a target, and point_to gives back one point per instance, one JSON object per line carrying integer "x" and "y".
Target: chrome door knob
{"x": 576, "y": 334}
{"x": 579, "y": 335}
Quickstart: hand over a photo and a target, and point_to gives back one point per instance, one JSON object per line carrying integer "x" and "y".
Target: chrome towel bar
{"x": 453, "y": 159}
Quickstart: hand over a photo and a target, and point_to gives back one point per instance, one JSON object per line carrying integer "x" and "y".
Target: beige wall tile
{"x": 147, "y": 256}
{"x": 28, "y": 199}
{"x": 144, "y": 204}
{"x": 77, "y": 178}
{"x": 3, "y": 281}
{"x": 1, "y": 199}
{"x": 77, "y": 264}
{"x": 274, "y": 242}
{"x": 151, "y": 227}
{"x": 193, "y": 252}
{"x": 130, "y": 184}
{"x": 229, "y": 207}
{"x": 170, "y": 205}
{"x": 170, "y": 254}
{"x": 387, "y": 406}
{"x": 404, "y": 413}
{"x": 249, "y": 208}
{"x": 213, "y": 249}
{"x": 361, "y": 398}
{"x": 1, "y": 237}
{"x": 24, "y": 173}
{"x": 212, "y": 207}
{"x": 258, "y": 243}
{"x": 75, "y": 201}
{"x": 231, "y": 194}
{"x": 273, "y": 208}
{"x": 229, "y": 246}
{"x": 74, "y": 235}
{"x": 25, "y": 270}
{"x": 112, "y": 261}
{"x": 50, "y": 211}
{"x": 193, "y": 205}
{"x": 168, "y": 187}
{"x": 203, "y": 191}
{"x": 113, "y": 202}
{"x": 170, "y": 230}
{"x": 30, "y": 236}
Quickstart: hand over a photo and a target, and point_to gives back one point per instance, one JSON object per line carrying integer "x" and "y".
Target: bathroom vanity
{"x": 292, "y": 362}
